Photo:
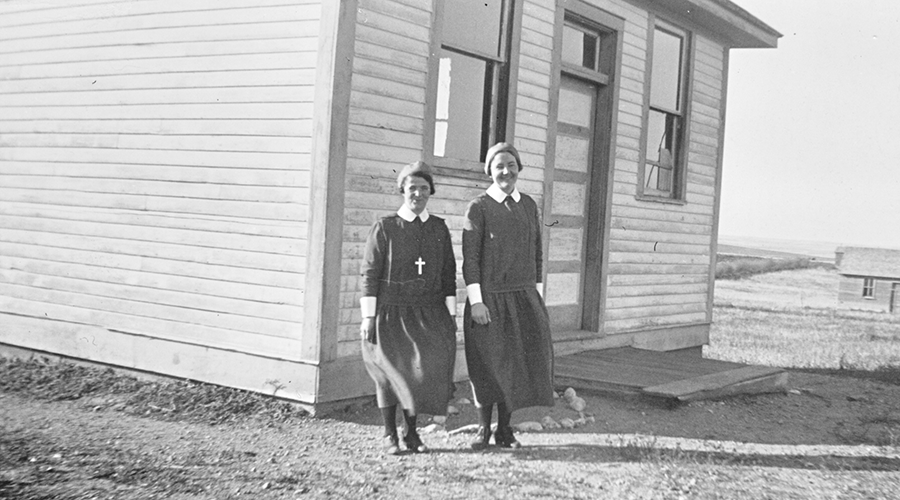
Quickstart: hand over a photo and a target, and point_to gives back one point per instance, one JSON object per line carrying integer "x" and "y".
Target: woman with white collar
{"x": 408, "y": 308}
{"x": 509, "y": 352}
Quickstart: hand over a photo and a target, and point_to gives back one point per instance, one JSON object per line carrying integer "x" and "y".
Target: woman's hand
{"x": 367, "y": 330}
{"x": 481, "y": 314}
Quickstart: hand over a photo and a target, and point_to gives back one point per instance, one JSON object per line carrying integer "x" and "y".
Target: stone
{"x": 577, "y": 404}
{"x": 463, "y": 401}
{"x": 549, "y": 423}
{"x": 528, "y": 426}
{"x": 569, "y": 394}
{"x": 431, "y": 429}
{"x": 567, "y": 423}
{"x": 439, "y": 419}
{"x": 452, "y": 410}
{"x": 465, "y": 429}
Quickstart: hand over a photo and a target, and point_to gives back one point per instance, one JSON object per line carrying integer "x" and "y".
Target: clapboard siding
{"x": 659, "y": 254}
{"x": 534, "y": 94}
{"x": 386, "y": 131}
{"x": 155, "y": 169}
{"x": 850, "y": 290}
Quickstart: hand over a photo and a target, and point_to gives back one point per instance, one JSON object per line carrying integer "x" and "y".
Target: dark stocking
{"x": 503, "y": 416}
{"x": 389, "y": 415}
{"x": 484, "y": 432}
{"x": 410, "y": 423}
{"x": 485, "y": 413}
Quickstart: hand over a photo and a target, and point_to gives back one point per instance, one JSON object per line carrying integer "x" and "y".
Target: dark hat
{"x": 498, "y": 148}
{"x": 418, "y": 169}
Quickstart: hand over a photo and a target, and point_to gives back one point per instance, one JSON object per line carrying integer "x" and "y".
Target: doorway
{"x": 580, "y": 172}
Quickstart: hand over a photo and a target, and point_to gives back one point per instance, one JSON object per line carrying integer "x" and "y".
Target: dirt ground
{"x": 113, "y": 437}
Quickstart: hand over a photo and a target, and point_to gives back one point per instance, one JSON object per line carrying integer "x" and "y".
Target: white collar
{"x": 408, "y": 215}
{"x": 498, "y": 195}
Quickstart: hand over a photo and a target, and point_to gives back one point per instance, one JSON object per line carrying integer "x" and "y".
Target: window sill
{"x": 660, "y": 199}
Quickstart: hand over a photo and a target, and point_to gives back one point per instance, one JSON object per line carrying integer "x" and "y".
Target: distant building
{"x": 870, "y": 278}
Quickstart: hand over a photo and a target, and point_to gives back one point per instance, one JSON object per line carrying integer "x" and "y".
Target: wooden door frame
{"x": 895, "y": 291}
{"x": 599, "y": 197}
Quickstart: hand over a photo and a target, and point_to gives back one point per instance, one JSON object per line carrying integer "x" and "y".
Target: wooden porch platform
{"x": 682, "y": 375}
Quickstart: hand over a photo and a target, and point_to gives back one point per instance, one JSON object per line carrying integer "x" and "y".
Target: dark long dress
{"x": 412, "y": 361}
{"x": 510, "y": 359}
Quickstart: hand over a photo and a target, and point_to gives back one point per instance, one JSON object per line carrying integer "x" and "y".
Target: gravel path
{"x": 65, "y": 450}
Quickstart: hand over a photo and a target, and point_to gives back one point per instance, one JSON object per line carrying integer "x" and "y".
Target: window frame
{"x": 679, "y": 169}
{"x": 868, "y": 289}
{"x": 497, "y": 118}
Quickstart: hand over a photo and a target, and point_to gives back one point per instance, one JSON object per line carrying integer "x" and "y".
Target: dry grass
{"x": 735, "y": 268}
{"x": 792, "y": 319}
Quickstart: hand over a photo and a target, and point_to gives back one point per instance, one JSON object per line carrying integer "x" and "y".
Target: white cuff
{"x": 368, "y": 306}
{"x": 450, "y": 300}
{"x": 474, "y": 291}
{"x": 540, "y": 289}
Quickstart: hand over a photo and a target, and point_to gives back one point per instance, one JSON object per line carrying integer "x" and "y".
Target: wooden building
{"x": 185, "y": 187}
{"x": 870, "y": 278}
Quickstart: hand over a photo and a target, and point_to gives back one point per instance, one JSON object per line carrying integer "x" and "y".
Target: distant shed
{"x": 870, "y": 278}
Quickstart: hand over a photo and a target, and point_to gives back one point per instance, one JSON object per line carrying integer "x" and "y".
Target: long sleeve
{"x": 448, "y": 274}
{"x": 473, "y": 233}
{"x": 473, "y": 236}
{"x": 372, "y": 267}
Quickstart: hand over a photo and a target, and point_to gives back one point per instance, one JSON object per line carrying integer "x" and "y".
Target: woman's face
{"x": 416, "y": 192}
{"x": 505, "y": 171}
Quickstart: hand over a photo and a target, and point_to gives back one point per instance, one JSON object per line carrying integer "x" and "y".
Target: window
{"x": 664, "y": 124}
{"x": 868, "y": 288}
{"x": 471, "y": 96}
{"x": 581, "y": 46}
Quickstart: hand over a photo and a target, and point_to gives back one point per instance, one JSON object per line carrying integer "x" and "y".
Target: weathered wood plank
{"x": 177, "y": 236}
{"x": 178, "y": 127}
{"x": 234, "y": 282}
{"x": 161, "y": 173}
{"x": 155, "y": 18}
{"x": 644, "y": 323}
{"x": 176, "y": 359}
{"x": 196, "y": 206}
{"x": 280, "y": 60}
{"x": 137, "y": 300}
{"x": 214, "y": 111}
{"x": 52, "y": 305}
{"x": 705, "y": 385}
{"x": 218, "y": 256}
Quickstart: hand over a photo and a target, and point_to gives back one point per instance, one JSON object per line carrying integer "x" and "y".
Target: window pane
{"x": 665, "y": 80}
{"x": 658, "y": 136}
{"x": 662, "y": 129}
{"x": 473, "y": 24}
{"x": 576, "y": 105}
{"x": 579, "y": 48}
{"x": 460, "y": 106}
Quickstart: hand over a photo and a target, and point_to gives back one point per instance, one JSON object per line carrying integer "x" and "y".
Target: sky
{"x": 812, "y": 139}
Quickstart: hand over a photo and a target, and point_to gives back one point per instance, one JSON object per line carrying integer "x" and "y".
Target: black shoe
{"x": 414, "y": 443}
{"x": 484, "y": 437}
{"x": 505, "y": 438}
{"x": 390, "y": 445}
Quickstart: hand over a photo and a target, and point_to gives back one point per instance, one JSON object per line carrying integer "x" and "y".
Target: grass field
{"x": 792, "y": 319}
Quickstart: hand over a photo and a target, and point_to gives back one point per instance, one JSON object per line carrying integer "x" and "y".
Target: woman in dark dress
{"x": 508, "y": 347}
{"x": 408, "y": 307}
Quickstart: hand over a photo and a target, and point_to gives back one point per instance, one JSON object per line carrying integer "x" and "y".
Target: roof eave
{"x": 734, "y": 24}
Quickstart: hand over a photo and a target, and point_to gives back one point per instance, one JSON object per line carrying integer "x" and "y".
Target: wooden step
{"x": 675, "y": 375}
{"x": 746, "y": 380}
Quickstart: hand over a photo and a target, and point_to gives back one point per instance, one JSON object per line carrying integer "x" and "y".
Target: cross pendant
{"x": 420, "y": 263}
